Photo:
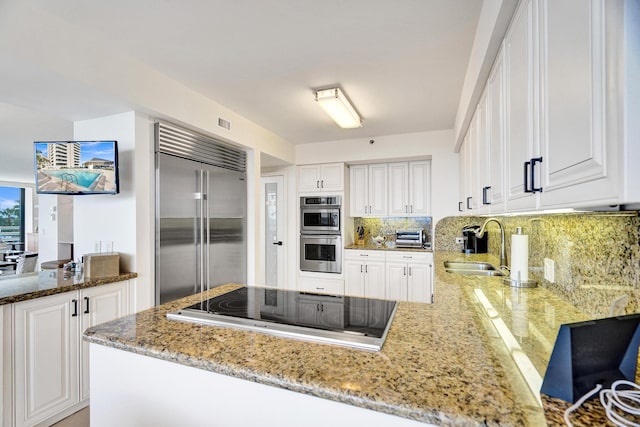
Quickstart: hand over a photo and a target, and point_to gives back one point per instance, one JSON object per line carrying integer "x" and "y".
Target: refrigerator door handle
{"x": 207, "y": 220}
{"x": 201, "y": 231}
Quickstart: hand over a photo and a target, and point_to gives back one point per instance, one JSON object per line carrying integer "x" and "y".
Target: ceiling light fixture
{"x": 337, "y": 106}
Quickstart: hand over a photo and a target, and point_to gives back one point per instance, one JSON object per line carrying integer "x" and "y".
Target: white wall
{"x": 48, "y": 232}
{"x": 100, "y": 217}
{"x": 438, "y": 145}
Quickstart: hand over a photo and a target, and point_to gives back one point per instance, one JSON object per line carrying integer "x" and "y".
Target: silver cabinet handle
{"x": 360, "y": 268}
{"x": 411, "y": 209}
{"x": 366, "y": 268}
{"x": 406, "y": 209}
{"x": 364, "y": 254}
{"x": 322, "y": 183}
{"x": 409, "y": 271}
{"x": 317, "y": 184}
{"x": 405, "y": 271}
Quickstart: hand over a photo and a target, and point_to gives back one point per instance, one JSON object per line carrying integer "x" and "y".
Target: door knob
{"x": 278, "y": 243}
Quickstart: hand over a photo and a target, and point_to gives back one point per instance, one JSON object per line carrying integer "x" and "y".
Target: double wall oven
{"x": 320, "y": 234}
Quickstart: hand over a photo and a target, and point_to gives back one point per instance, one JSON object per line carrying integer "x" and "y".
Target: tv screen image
{"x": 76, "y": 167}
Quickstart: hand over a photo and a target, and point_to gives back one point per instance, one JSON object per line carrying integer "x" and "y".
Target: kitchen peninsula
{"x": 442, "y": 363}
{"x": 44, "y": 373}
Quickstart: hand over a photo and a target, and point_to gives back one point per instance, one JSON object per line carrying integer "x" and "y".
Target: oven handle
{"x": 321, "y": 236}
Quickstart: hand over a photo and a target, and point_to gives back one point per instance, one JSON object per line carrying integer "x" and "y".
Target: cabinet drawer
{"x": 407, "y": 256}
{"x": 358, "y": 255}
{"x": 323, "y": 286}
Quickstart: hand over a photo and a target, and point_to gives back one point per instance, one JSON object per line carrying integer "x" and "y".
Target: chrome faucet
{"x": 503, "y": 255}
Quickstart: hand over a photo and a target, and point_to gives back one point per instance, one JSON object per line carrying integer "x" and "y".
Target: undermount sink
{"x": 472, "y": 268}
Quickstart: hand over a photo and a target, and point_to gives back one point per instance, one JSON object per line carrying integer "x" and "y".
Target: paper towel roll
{"x": 519, "y": 256}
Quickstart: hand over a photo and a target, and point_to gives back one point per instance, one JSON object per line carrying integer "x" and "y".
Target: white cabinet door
{"x": 100, "y": 304}
{"x": 309, "y": 178}
{"x": 359, "y": 190}
{"x": 331, "y": 314}
{"x": 374, "y": 284}
{"x": 462, "y": 185}
{"x": 399, "y": 189}
{"x": 420, "y": 188}
{"x": 378, "y": 190}
{"x": 520, "y": 105}
{"x": 495, "y": 134}
{"x": 574, "y": 118}
{"x": 472, "y": 200}
{"x": 46, "y": 356}
{"x": 419, "y": 282}
{"x": 354, "y": 278}
{"x": 319, "y": 178}
{"x": 332, "y": 177}
{"x": 483, "y": 159}
{"x": 368, "y": 185}
{"x": 396, "y": 286}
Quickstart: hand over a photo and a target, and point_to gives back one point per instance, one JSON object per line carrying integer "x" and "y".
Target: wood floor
{"x": 79, "y": 419}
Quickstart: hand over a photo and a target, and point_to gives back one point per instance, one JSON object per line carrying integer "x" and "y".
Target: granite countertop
{"x": 371, "y": 247}
{"x": 22, "y": 287}
{"x": 443, "y": 363}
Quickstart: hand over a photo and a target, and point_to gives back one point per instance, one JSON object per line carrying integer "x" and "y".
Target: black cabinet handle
{"x": 533, "y": 175}
{"x": 526, "y": 177}
{"x": 75, "y": 307}
{"x": 279, "y": 243}
{"x": 86, "y": 307}
{"x": 469, "y": 202}
{"x": 485, "y": 199}
{"x": 459, "y": 206}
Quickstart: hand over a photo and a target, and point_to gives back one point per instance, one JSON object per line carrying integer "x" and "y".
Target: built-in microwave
{"x": 321, "y": 253}
{"x": 320, "y": 214}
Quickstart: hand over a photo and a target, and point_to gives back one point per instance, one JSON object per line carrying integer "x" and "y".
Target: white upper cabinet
{"x": 420, "y": 188}
{"x": 560, "y": 106}
{"x": 579, "y": 143}
{"x": 358, "y": 190}
{"x": 321, "y": 178}
{"x": 368, "y": 190}
{"x": 495, "y": 135}
{"x": 378, "y": 190}
{"x": 409, "y": 188}
{"x": 399, "y": 189}
{"x": 519, "y": 50}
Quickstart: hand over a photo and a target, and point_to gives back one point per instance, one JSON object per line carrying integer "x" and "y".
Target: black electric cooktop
{"x": 348, "y": 321}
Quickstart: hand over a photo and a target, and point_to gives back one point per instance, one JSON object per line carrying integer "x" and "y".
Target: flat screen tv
{"x": 76, "y": 167}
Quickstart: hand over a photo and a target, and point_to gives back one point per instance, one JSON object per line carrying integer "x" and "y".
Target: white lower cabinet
{"x": 314, "y": 310}
{"x": 46, "y": 356}
{"x": 409, "y": 276}
{"x": 365, "y": 273}
{"x": 393, "y": 275}
{"x": 321, "y": 285}
{"x": 50, "y": 361}
{"x": 100, "y": 304}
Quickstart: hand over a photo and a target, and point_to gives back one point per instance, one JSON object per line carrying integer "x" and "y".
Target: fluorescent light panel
{"x": 337, "y": 106}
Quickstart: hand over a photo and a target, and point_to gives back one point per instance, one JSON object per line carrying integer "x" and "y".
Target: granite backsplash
{"x": 387, "y": 226}
{"x": 596, "y": 255}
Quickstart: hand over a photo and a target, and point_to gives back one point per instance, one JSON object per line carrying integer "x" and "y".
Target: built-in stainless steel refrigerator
{"x": 200, "y": 220}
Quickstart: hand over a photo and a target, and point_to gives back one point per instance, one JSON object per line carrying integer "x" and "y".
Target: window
{"x": 12, "y": 214}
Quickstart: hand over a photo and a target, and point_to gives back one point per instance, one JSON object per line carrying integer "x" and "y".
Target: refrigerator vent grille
{"x": 191, "y": 145}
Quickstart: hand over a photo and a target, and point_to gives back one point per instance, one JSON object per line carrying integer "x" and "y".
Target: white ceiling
{"x": 402, "y": 62}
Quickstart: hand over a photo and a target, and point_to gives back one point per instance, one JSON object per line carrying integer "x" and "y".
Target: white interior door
{"x": 274, "y": 231}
